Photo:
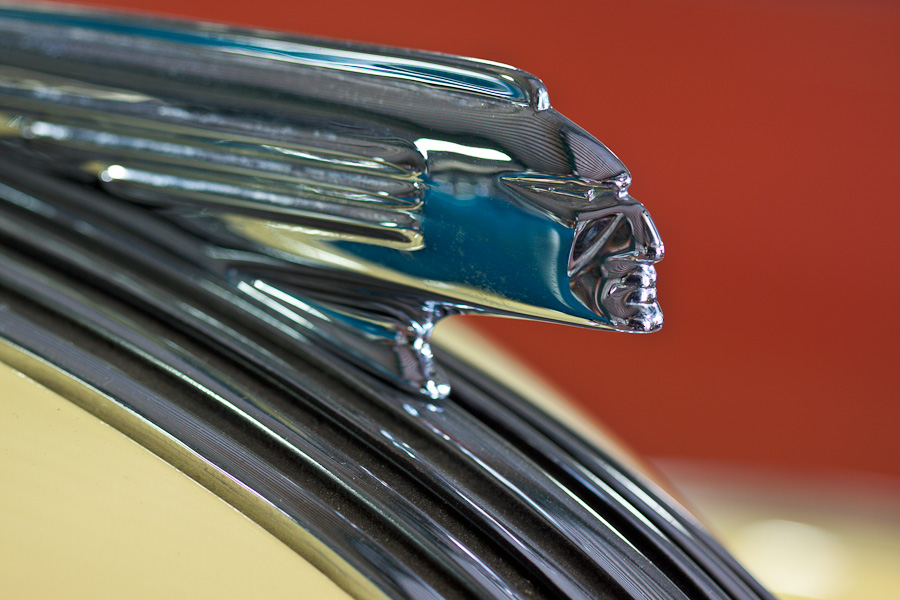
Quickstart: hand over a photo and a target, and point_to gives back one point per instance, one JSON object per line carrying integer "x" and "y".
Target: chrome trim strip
{"x": 477, "y": 494}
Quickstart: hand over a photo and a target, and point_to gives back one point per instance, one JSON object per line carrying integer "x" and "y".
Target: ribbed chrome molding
{"x": 362, "y": 192}
{"x": 226, "y": 356}
{"x": 475, "y": 495}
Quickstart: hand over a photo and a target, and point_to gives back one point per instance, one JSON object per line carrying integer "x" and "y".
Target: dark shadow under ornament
{"x": 354, "y": 195}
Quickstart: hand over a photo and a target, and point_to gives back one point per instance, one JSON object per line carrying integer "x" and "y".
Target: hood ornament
{"x": 355, "y": 194}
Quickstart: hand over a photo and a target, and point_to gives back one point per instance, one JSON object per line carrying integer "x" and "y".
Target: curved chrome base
{"x": 478, "y": 494}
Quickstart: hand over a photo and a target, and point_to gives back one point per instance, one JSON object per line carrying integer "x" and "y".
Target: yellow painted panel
{"x": 87, "y": 513}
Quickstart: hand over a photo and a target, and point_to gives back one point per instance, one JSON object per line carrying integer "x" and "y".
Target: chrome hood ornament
{"x": 354, "y": 194}
{"x": 233, "y": 248}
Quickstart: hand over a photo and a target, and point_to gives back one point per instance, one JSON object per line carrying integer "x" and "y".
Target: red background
{"x": 763, "y": 137}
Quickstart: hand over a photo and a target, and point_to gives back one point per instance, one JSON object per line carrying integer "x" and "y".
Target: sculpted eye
{"x": 590, "y": 237}
{"x": 621, "y": 238}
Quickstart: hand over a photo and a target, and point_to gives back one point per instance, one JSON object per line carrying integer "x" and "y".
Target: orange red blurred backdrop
{"x": 765, "y": 139}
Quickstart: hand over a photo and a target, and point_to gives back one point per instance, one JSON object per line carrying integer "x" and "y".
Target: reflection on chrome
{"x": 234, "y": 246}
{"x": 390, "y": 188}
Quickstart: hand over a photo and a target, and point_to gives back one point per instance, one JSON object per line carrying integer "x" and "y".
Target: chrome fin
{"x": 366, "y": 192}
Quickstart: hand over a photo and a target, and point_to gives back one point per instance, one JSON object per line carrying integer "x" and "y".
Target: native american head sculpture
{"x": 356, "y": 193}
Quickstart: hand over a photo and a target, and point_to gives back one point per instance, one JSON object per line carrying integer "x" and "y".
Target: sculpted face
{"x": 611, "y": 266}
{"x": 614, "y": 247}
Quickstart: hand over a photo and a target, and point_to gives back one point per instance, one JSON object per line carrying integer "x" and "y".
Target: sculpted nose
{"x": 649, "y": 244}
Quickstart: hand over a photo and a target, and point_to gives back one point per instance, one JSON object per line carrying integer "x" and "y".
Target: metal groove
{"x": 678, "y": 535}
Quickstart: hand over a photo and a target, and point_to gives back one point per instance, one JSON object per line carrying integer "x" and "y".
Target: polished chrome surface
{"x": 358, "y": 193}
{"x": 206, "y": 255}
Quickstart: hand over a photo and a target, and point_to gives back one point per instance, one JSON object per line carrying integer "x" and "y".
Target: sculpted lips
{"x": 630, "y": 297}
{"x": 611, "y": 267}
